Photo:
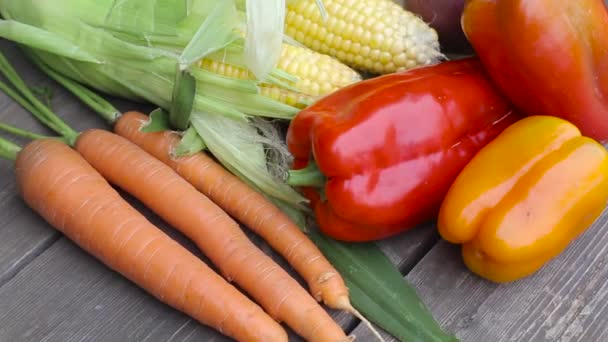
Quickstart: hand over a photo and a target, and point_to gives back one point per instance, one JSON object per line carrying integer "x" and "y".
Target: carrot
{"x": 245, "y": 204}
{"x": 73, "y": 197}
{"x": 242, "y": 202}
{"x": 214, "y": 232}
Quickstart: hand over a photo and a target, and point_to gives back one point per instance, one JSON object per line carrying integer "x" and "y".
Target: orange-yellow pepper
{"x": 524, "y": 197}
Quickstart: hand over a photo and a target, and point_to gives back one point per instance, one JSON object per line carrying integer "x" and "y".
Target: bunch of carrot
{"x": 69, "y": 188}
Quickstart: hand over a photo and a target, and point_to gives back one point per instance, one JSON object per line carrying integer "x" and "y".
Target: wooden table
{"x": 50, "y": 290}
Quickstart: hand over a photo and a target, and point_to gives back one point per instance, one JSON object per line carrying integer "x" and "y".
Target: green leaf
{"x": 190, "y": 144}
{"x": 236, "y": 144}
{"x": 265, "y": 27}
{"x": 168, "y": 13}
{"x": 158, "y": 17}
{"x": 248, "y": 103}
{"x": 43, "y": 40}
{"x": 182, "y": 101}
{"x": 379, "y": 291}
{"x": 208, "y": 77}
{"x": 215, "y": 32}
{"x": 158, "y": 121}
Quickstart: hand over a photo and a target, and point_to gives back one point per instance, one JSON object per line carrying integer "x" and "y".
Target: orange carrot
{"x": 215, "y": 232}
{"x": 67, "y": 192}
{"x": 246, "y": 205}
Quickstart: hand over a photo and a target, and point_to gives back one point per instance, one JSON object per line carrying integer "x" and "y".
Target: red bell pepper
{"x": 378, "y": 156}
{"x": 549, "y": 57}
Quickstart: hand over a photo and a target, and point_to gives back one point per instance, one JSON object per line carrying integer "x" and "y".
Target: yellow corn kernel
{"x": 377, "y": 36}
{"x": 317, "y": 75}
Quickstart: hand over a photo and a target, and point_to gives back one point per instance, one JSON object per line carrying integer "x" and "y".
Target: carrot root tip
{"x": 343, "y": 303}
{"x": 371, "y": 327}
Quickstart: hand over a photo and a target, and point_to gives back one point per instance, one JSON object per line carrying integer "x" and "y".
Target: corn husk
{"x": 136, "y": 48}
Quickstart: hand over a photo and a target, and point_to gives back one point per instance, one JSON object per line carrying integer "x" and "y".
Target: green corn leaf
{"x": 134, "y": 15}
{"x": 379, "y": 291}
{"x": 43, "y": 40}
{"x": 241, "y": 150}
{"x": 265, "y": 27}
{"x": 182, "y": 101}
{"x": 216, "y": 32}
{"x": 207, "y": 77}
{"x": 190, "y": 144}
{"x": 251, "y": 104}
{"x": 376, "y": 287}
{"x": 158, "y": 121}
{"x": 137, "y": 46}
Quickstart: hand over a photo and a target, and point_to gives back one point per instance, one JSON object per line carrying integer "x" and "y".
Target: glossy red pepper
{"x": 381, "y": 154}
{"x": 548, "y": 57}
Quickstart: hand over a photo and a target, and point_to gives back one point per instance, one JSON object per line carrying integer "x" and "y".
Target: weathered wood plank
{"x": 404, "y": 250}
{"x": 23, "y": 235}
{"x": 66, "y": 295}
{"x": 567, "y": 300}
{"x": 55, "y": 294}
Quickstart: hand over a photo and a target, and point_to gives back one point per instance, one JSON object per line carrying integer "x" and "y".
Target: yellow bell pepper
{"x": 524, "y": 197}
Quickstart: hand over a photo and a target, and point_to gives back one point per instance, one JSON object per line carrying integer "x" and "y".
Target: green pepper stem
{"x": 36, "y": 107}
{"x": 308, "y": 176}
{"x": 97, "y": 103}
{"x": 8, "y": 150}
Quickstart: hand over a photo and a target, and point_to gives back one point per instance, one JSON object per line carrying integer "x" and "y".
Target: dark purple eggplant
{"x": 444, "y": 17}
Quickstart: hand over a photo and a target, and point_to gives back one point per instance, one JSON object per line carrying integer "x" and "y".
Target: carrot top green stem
{"x": 36, "y": 107}
{"x": 21, "y": 132}
{"x": 8, "y": 150}
{"x": 17, "y": 97}
{"x": 308, "y": 176}
{"x": 97, "y": 103}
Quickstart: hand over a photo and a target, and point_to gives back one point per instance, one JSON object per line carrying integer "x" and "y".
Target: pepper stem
{"x": 308, "y": 176}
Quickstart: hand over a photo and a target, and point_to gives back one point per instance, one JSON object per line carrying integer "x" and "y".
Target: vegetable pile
{"x": 503, "y": 147}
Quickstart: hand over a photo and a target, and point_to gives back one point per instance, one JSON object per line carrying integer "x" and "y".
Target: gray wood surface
{"x": 567, "y": 300}
{"x": 50, "y": 290}
{"x": 23, "y": 236}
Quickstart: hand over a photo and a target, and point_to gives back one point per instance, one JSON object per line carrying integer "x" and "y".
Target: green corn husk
{"x": 133, "y": 49}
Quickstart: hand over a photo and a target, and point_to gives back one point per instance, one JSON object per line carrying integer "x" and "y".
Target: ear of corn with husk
{"x": 377, "y": 36}
{"x": 244, "y": 72}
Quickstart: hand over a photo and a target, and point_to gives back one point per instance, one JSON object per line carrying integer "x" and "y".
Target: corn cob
{"x": 317, "y": 75}
{"x": 376, "y": 36}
